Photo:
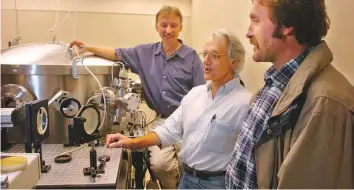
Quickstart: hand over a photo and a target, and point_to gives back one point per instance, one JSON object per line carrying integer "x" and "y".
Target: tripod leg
{"x": 138, "y": 163}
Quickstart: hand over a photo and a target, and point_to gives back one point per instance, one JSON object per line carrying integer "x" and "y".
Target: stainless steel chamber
{"x": 39, "y": 71}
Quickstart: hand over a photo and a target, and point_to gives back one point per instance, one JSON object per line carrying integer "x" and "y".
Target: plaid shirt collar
{"x": 280, "y": 78}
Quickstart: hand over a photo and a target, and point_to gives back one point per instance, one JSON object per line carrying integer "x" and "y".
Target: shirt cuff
{"x": 118, "y": 52}
{"x": 160, "y": 132}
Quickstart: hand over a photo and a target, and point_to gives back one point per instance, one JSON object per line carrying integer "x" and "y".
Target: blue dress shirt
{"x": 165, "y": 80}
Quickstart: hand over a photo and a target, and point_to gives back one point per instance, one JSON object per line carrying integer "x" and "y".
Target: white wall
{"x": 118, "y": 23}
{"x": 149, "y": 7}
{"x": 209, "y": 15}
{"x": 123, "y": 23}
{"x": 340, "y": 37}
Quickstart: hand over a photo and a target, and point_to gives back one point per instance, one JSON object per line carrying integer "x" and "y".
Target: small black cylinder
{"x": 93, "y": 159}
{"x": 4, "y": 141}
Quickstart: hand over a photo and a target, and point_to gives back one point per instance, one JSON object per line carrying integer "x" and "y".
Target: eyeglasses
{"x": 214, "y": 56}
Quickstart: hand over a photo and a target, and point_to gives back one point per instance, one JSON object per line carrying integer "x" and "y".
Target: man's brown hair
{"x": 167, "y": 10}
{"x": 308, "y": 18}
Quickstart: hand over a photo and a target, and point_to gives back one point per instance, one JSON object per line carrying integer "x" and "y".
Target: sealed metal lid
{"x": 47, "y": 58}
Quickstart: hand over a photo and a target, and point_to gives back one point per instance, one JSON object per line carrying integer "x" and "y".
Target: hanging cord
{"x": 100, "y": 86}
{"x": 56, "y": 24}
{"x": 18, "y": 37}
{"x": 75, "y": 19}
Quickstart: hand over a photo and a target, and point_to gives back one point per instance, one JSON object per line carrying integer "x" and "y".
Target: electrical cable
{"x": 16, "y": 15}
{"x": 100, "y": 86}
{"x": 74, "y": 22}
{"x": 64, "y": 19}
{"x": 143, "y": 119}
{"x": 67, "y": 152}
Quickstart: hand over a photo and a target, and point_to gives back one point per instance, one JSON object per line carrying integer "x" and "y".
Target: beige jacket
{"x": 318, "y": 153}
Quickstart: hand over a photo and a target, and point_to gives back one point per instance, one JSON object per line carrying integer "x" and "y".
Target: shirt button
{"x": 168, "y": 106}
{"x": 269, "y": 131}
{"x": 164, "y": 92}
{"x": 164, "y": 77}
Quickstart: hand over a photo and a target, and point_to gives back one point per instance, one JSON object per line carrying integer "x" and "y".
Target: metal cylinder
{"x": 44, "y": 69}
{"x": 93, "y": 159}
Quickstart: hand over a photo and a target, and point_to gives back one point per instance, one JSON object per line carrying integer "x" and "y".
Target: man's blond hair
{"x": 168, "y": 10}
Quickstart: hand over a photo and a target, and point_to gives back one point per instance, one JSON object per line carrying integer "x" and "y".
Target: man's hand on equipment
{"x": 76, "y": 43}
{"x": 118, "y": 141}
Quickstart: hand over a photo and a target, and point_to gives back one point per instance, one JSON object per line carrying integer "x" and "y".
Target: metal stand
{"x": 93, "y": 170}
{"x": 138, "y": 163}
{"x": 37, "y": 126}
{"x": 79, "y": 135}
{"x": 38, "y": 149}
{"x": 73, "y": 134}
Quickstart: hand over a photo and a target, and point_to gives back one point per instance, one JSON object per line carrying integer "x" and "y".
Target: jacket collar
{"x": 319, "y": 57}
{"x": 281, "y": 77}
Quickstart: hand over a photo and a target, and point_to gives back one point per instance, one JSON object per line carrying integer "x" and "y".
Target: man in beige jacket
{"x": 298, "y": 132}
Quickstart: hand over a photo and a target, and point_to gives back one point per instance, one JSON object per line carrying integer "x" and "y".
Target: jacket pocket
{"x": 220, "y": 138}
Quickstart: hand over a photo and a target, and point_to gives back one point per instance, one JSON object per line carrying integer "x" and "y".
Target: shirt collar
{"x": 181, "y": 52}
{"x": 281, "y": 77}
{"x": 227, "y": 87}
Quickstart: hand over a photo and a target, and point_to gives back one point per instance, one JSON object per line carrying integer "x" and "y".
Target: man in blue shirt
{"x": 168, "y": 71}
{"x": 208, "y": 119}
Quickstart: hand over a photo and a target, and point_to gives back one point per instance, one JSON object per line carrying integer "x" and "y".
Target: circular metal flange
{"x": 69, "y": 107}
{"x": 133, "y": 101}
{"x": 58, "y": 100}
{"x": 109, "y": 95}
{"x": 13, "y": 95}
{"x": 92, "y": 116}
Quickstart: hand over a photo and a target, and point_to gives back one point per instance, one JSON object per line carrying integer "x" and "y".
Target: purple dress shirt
{"x": 165, "y": 80}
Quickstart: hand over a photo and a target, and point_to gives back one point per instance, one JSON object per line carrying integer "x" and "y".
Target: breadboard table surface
{"x": 70, "y": 175}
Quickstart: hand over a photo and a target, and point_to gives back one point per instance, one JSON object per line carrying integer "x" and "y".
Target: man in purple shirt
{"x": 168, "y": 70}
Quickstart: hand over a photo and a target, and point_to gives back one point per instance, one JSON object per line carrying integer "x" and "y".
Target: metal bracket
{"x": 76, "y": 60}
{"x": 15, "y": 42}
{"x": 74, "y": 68}
{"x": 37, "y": 126}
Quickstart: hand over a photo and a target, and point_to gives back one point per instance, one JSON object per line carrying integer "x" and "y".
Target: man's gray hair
{"x": 236, "y": 51}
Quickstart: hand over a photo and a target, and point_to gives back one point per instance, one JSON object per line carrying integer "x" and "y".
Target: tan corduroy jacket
{"x": 318, "y": 152}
